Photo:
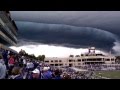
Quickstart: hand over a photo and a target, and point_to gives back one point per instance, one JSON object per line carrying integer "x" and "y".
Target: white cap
{"x": 8, "y": 52}
{"x": 48, "y": 67}
{"x": 45, "y": 68}
{"x": 22, "y": 57}
{"x": 40, "y": 64}
{"x": 36, "y": 71}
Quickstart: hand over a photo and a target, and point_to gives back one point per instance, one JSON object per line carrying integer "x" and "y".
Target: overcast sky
{"x": 65, "y": 32}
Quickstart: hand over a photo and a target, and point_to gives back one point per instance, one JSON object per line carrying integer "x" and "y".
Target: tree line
{"x": 32, "y": 56}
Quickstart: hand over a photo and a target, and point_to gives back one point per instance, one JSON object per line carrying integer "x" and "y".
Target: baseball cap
{"x": 45, "y": 68}
{"x": 36, "y": 71}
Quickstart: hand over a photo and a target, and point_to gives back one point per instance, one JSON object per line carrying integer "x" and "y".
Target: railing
{"x": 6, "y": 38}
{"x": 10, "y": 22}
{"x": 7, "y": 29}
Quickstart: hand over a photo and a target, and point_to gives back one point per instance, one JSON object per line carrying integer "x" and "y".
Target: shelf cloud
{"x": 73, "y": 29}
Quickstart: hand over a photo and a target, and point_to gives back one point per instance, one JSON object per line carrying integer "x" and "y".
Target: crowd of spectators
{"x": 101, "y": 67}
{"x": 19, "y": 66}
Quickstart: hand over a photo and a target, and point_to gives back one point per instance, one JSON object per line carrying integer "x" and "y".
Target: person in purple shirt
{"x": 47, "y": 74}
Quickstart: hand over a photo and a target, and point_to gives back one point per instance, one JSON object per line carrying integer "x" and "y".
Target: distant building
{"x": 83, "y": 59}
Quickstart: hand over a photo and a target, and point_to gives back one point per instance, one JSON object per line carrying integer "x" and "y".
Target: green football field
{"x": 109, "y": 74}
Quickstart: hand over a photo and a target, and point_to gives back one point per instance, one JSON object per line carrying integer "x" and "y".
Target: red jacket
{"x": 11, "y": 61}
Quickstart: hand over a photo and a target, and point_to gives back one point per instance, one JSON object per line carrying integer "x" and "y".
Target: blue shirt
{"x": 47, "y": 75}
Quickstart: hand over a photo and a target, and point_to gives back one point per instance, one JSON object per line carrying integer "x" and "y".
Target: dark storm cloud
{"x": 69, "y": 28}
{"x": 105, "y": 20}
{"x": 65, "y": 35}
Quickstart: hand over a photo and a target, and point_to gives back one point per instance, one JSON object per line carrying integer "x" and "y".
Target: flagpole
{"x": 110, "y": 54}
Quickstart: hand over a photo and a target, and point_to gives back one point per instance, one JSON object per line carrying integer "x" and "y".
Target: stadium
{"x": 88, "y": 65}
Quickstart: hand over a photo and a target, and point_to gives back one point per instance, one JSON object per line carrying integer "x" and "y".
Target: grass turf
{"x": 109, "y": 74}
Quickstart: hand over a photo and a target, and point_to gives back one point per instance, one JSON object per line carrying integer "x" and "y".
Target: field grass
{"x": 109, "y": 74}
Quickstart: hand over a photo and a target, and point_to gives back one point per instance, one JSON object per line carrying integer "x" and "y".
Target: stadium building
{"x": 84, "y": 59}
{"x": 8, "y": 30}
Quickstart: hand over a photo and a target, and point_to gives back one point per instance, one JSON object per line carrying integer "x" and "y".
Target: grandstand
{"x": 8, "y": 31}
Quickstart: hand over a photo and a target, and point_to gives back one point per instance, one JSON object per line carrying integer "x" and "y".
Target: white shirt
{"x": 2, "y": 69}
{"x": 24, "y": 61}
{"x": 28, "y": 64}
{"x": 31, "y": 65}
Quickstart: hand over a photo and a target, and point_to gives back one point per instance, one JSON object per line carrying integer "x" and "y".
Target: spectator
{"x": 66, "y": 76}
{"x": 2, "y": 68}
{"x": 11, "y": 63}
{"x": 24, "y": 61}
{"x": 31, "y": 65}
{"x": 35, "y": 64}
{"x": 28, "y": 65}
{"x": 57, "y": 74}
{"x": 5, "y": 57}
{"x": 46, "y": 73}
{"x": 16, "y": 73}
{"x": 21, "y": 61}
{"x": 35, "y": 74}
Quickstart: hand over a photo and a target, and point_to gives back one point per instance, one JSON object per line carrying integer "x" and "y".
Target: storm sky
{"x": 69, "y": 29}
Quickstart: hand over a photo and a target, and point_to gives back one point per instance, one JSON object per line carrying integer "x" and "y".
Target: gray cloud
{"x": 69, "y": 28}
{"x": 116, "y": 48}
{"x": 105, "y": 20}
{"x": 65, "y": 35}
